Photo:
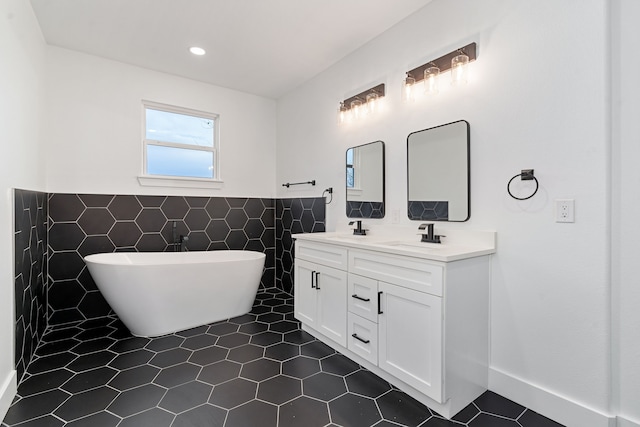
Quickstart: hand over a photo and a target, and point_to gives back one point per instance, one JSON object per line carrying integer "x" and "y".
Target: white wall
{"x": 538, "y": 98}
{"x": 93, "y": 128}
{"x": 21, "y": 166}
{"x": 626, "y": 212}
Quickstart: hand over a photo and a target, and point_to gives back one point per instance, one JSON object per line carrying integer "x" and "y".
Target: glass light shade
{"x": 372, "y": 102}
{"x": 459, "y": 69}
{"x": 409, "y": 89}
{"x": 431, "y": 80}
{"x": 343, "y": 114}
{"x": 357, "y": 109}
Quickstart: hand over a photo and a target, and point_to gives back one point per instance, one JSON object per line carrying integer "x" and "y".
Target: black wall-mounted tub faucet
{"x": 179, "y": 242}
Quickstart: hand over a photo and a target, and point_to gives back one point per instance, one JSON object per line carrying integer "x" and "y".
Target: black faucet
{"x": 179, "y": 243}
{"x": 183, "y": 243}
{"x": 174, "y": 236}
{"x": 358, "y": 231}
{"x": 430, "y": 237}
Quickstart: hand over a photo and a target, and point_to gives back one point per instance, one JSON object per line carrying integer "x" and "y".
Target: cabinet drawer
{"x": 362, "y": 338}
{"x": 329, "y": 255}
{"x": 362, "y": 294}
{"x": 409, "y": 273}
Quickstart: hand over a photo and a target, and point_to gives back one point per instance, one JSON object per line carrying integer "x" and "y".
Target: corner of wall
{"x": 623, "y": 422}
{"x": 554, "y": 406}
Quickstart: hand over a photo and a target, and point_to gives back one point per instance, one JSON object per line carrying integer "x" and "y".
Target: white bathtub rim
{"x": 156, "y": 258}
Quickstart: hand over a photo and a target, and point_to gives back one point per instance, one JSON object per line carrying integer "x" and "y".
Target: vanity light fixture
{"x": 361, "y": 105}
{"x": 457, "y": 61}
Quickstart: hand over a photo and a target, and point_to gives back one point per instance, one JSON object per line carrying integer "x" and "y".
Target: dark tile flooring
{"x": 255, "y": 370}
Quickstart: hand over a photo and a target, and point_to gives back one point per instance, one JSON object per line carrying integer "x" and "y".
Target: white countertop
{"x": 460, "y": 244}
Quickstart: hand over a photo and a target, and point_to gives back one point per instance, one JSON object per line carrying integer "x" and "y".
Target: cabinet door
{"x": 331, "y": 288}
{"x": 410, "y": 338}
{"x": 305, "y": 296}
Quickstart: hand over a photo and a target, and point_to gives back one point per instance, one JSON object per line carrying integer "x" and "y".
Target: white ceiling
{"x": 264, "y": 47}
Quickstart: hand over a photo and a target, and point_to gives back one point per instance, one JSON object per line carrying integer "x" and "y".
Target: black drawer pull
{"x": 356, "y": 296}
{"x": 379, "y": 296}
{"x": 360, "y": 339}
{"x": 317, "y": 274}
{"x": 313, "y": 285}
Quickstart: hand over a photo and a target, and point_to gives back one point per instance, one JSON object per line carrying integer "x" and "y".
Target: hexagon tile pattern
{"x": 428, "y": 211}
{"x": 84, "y": 224}
{"x": 30, "y": 237}
{"x": 294, "y": 216}
{"x": 258, "y": 369}
{"x": 365, "y": 209}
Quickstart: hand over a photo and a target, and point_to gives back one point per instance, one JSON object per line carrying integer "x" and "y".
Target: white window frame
{"x": 356, "y": 190}
{"x": 146, "y": 179}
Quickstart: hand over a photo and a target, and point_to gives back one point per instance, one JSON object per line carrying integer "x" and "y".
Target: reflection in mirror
{"x": 438, "y": 173}
{"x": 365, "y": 181}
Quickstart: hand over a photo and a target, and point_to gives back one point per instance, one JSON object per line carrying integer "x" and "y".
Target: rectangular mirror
{"x": 438, "y": 173}
{"x": 365, "y": 181}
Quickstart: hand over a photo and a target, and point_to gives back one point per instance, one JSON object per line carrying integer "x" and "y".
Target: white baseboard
{"x": 8, "y": 391}
{"x": 552, "y": 405}
{"x": 623, "y": 422}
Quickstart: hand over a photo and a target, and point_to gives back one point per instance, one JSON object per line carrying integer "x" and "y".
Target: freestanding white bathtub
{"x": 156, "y": 293}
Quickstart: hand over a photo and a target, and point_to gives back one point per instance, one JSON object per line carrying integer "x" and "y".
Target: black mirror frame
{"x": 371, "y": 211}
{"x": 468, "y": 174}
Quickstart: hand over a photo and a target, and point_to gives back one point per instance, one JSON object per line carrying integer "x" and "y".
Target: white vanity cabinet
{"x": 418, "y": 323}
{"x": 404, "y": 320}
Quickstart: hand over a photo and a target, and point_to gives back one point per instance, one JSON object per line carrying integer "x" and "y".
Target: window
{"x": 353, "y": 167}
{"x": 180, "y": 143}
{"x": 350, "y": 170}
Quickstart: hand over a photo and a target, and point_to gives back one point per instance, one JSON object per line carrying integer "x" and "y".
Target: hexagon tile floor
{"x": 256, "y": 370}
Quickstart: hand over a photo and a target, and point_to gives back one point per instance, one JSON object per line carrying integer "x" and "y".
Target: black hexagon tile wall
{"x": 60, "y": 229}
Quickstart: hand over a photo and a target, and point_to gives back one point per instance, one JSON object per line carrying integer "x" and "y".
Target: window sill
{"x": 179, "y": 182}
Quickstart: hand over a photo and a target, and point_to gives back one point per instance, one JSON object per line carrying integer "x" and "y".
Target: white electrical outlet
{"x": 395, "y": 216}
{"x": 565, "y": 210}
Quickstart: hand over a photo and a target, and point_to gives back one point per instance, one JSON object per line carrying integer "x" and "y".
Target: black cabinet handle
{"x": 360, "y": 339}
{"x": 317, "y": 273}
{"x": 356, "y": 296}
{"x": 313, "y": 285}
{"x": 379, "y": 296}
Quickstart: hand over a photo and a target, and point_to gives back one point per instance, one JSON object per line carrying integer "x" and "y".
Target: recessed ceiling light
{"x": 197, "y": 50}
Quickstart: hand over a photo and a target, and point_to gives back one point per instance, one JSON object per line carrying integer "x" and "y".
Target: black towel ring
{"x": 527, "y": 175}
